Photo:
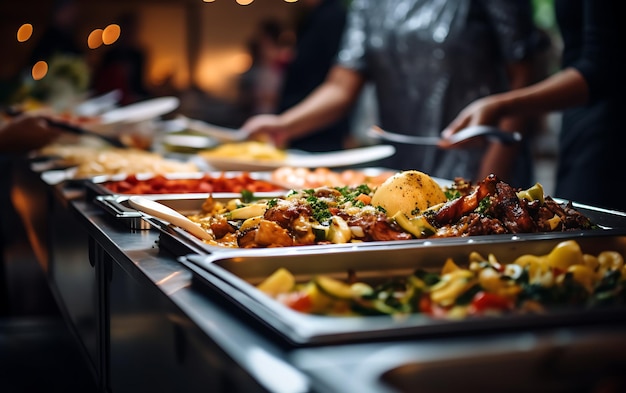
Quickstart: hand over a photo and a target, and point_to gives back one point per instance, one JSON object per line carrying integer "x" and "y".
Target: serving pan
{"x": 100, "y": 185}
{"x": 233, "y": 276}
{"x": 118, "y": 206}
{"x": 181, "y": 242}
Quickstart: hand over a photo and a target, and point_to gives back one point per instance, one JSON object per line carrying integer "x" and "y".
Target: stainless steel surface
{"x": 97, "y": 185}
{"x": 490, "y": 133}
{"x": 188, "y": 204}
{"x": 228, "y": 273}
{"x": 156, "y": 331}
{"x": 123, "y": 214}
{"x": 170, "y": 215}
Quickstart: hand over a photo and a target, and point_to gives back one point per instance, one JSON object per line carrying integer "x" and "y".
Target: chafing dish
{"x": 234, "y": 275}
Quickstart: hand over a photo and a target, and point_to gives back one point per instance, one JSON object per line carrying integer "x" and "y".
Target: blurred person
{"x": 67, "y": 77}
{"x": 123, "y": 66}
{"x": 589, "y": 90}
{"x": 59, "y": 37}
{"x": 259, "y": 87}
{"x": 318, "y": 36}
{"x": 427, "y": 59}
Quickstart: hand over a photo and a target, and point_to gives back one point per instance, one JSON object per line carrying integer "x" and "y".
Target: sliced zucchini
{"x": 333, "y": 288}
{"x": 249, "y": 211}
{"x": 372, "y": 307}
{"x": 416, "y": 226}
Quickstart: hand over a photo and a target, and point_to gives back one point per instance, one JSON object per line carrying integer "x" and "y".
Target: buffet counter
{"x": 144, "y": 326}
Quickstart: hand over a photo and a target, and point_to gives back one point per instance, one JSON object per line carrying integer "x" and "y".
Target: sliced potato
{"x": 409, "y": 192}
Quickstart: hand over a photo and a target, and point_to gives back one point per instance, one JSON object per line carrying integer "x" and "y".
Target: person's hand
{"x": 267, "y": 127}
{"x": 25, "y": 133}
{"x": 485, "y": 111}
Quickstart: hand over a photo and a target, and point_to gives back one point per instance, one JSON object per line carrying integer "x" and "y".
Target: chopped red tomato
{"x": 483, "y": 301}
{"x": 299, "y": 301}
{"x": 425, "y": 304}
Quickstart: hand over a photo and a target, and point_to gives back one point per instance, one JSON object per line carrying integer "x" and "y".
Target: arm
{"x": 324, "y": 105}
{"x": 565, "y": 89}
{"x": 500, "y": 158}
{"x": 26, "y": 133}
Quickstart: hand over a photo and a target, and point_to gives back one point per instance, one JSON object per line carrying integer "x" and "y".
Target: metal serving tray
{"x": 181, "y": 242}
{"x": 96, "y": 185}
{"x": 118, "y": 207}
{"x": 232, "y": 276}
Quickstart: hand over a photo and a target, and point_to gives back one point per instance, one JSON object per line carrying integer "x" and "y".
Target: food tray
{"x": 232, "y": 276}
{"x": 181, "y": 242}
{"x": 98, "y": 184}
{"x": 119, "y": 209}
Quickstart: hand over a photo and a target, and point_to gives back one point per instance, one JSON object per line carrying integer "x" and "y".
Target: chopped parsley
{"x": 452, "y": 194}
{"x": 320, "y": 209}
{"x": 350, "y": 194}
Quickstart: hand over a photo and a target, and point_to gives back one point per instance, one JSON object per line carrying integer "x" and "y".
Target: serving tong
{"x": 114, "y": 141}
{"x": 165, "y": 213}
{"x": 491, "y": 133}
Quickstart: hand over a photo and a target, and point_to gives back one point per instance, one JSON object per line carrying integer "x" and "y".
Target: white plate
{"x": 189, "y": 141}
{"x": 96, "y": 105}
{"x": 332, "y": 159}
{"x": 140, "y": 111}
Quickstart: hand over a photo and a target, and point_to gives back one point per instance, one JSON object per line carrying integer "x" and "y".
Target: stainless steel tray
{"x": 232, "y": 276}
{"x": 96, "y": 185}
{"x": 117, "y": 206}
{"x": 181, "y": 242}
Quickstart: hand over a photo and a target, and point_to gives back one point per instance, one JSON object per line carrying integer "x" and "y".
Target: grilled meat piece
{"x": 267, "y": 234}
{"x": 452, "y": 211}
{"x": 284, "y": 214}
{"x": 512, "y": 211}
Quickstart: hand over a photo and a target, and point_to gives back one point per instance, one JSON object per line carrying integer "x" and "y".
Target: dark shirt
{"x": 593, "y": 44}
{"x": 318, "y": 39}
{"x": 428, "y": 59}
{"x": 592, "y": 136}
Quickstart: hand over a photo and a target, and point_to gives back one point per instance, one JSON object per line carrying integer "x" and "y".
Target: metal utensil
{"x": 222, "y": 134}
{"x": 168, "y": 214}
{"x": 81, "y": 131}
{"x": 491, "y": 133}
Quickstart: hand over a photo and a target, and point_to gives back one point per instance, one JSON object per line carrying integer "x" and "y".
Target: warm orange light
{"x": 208, "y": 1}
{"x": 110, "y": 34}
{"x": 24, "y": 32}
{"x": 244, "y": 2}
{"x": 94, "y": 40}
{"x": 40, "y": 69}
{"x": 241, "y": 62}
{"x": 290, "y": 1}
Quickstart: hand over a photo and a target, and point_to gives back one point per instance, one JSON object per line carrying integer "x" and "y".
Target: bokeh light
{"x": 24, "y": 32}
{"x": 94, "y": 40}
{"x": 244, "y": 2}
{"x": 40, "y": 69}
{"x": 110, "y": 34}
